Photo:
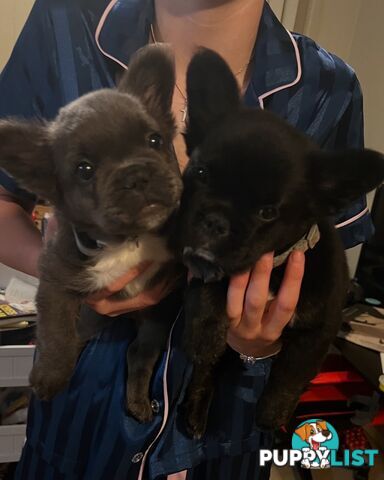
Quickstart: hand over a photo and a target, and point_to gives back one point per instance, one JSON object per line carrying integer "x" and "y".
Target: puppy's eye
{"x": 155, "y": 141}
{"x": 201, "y": 173}
{"x": 85, "y": 171}
{"x": 268, "y": 213}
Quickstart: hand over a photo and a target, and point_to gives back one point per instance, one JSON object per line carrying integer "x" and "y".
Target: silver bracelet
{"x": 248, "y": 360}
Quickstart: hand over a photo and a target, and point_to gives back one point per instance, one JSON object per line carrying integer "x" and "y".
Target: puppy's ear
{"x": 212, "y": 93}
{"x": 151, "y": 78}
{"x": 26, "y": 155}
{"x": 339, "y": 178}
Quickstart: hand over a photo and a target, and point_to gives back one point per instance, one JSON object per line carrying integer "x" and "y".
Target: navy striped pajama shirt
{"x": 66, "y": 49}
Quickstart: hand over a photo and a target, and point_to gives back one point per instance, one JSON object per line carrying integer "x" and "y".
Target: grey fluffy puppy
{"x": 107, "y": 165}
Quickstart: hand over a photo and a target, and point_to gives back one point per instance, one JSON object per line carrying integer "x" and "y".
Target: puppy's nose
{"x": 326, "y": 433}
{"x": 136, "y": 178}
{"x": 215, "y": 224}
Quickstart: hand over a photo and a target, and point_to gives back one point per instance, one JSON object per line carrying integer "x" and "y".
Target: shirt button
{"x": 155, "y": 406}
{"x": 137, "y": 458}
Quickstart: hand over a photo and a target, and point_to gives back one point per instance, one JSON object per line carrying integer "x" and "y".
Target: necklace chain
{"x": 184, "y": 110}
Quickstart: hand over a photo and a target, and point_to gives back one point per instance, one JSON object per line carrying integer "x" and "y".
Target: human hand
{"x": 103, "y": 304}
{"x": 257, "y": 323}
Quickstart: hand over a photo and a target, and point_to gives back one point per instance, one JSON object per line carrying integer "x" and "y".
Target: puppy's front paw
{"x": 47, "y": 382}
{"x": 139, "y": 408}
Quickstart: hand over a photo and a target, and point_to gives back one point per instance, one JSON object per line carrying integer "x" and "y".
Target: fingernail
{"x": 297, "y": 256}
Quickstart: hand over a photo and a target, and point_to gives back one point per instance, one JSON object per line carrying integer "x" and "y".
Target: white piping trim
{"x": 278, "y": 89}
{"x": 166, "y": 401}
{"x": 297, "y": 79}
{"x": 353, "y": 219}
{"x": 178, "y": 476}
{"x": 261, "y": 98}
{"x": 99, "y": 28}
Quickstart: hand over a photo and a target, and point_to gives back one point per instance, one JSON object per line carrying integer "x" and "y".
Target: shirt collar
{"x": 125, "y": 24}
{"x": 276, "y": 62}
{"x": 124, "y": 28}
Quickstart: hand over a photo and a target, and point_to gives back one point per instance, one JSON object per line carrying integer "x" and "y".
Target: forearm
{"x": 20, "y": 241}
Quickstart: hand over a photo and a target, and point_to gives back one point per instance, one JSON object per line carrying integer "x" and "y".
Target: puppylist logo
{"x": 316, "y": 439}
{"x": 315, "y": 444}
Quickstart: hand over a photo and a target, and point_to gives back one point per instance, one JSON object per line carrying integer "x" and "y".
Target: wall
{"x": 332, "y": 24}
{"x": 286, "y": 11}
{"x": 13, "y": 14}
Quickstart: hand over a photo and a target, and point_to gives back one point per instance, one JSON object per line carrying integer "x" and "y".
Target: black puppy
{"x": 107, "y": 165}
{"x": 254, "y": 185}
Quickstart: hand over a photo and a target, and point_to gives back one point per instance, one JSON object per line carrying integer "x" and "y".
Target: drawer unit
{"x": 12, "y": 439}
{"x": 15, "y": 365}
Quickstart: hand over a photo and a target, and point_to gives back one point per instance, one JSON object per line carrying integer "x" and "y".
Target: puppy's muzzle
{"x": 214, "y": 224}
{"x": 137, "y": 178}
{"x": 202, "y": 264}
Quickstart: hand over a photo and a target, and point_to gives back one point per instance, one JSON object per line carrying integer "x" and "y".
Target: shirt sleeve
{"x": 354, "y": 224}
{"x": 29, "y": 83}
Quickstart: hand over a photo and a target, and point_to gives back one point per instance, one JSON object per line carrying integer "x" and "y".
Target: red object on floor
{"x": 337, "y": 382}
{"x": 354, "y": 439}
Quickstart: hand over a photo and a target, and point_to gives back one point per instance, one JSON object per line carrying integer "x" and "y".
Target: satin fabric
{"x": 66, "y": 49}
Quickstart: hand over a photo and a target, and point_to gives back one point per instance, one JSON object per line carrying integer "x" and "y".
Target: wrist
{"x": 249, "y": 348}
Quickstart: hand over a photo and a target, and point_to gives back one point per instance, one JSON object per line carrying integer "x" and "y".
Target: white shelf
{"x": 12, "y": 439}
{"x": 15, "y": 365}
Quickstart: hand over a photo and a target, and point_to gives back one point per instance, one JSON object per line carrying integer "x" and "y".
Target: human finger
{"x": 284, "y": 305}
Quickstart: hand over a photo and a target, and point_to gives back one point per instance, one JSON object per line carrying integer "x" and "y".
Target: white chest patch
{"x": 116, "y": 260}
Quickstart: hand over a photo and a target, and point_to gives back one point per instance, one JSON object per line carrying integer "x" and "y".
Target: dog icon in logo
{"x": 315, "y": 433}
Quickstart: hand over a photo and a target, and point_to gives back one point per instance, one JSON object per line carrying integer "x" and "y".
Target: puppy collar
{"x": 90, "y": 247}
{"x": 87, "y": 245}
{"x": 307, "y": 242}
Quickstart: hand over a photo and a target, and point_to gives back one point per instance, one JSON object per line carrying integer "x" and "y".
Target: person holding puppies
{"x": 67, "y": 49}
